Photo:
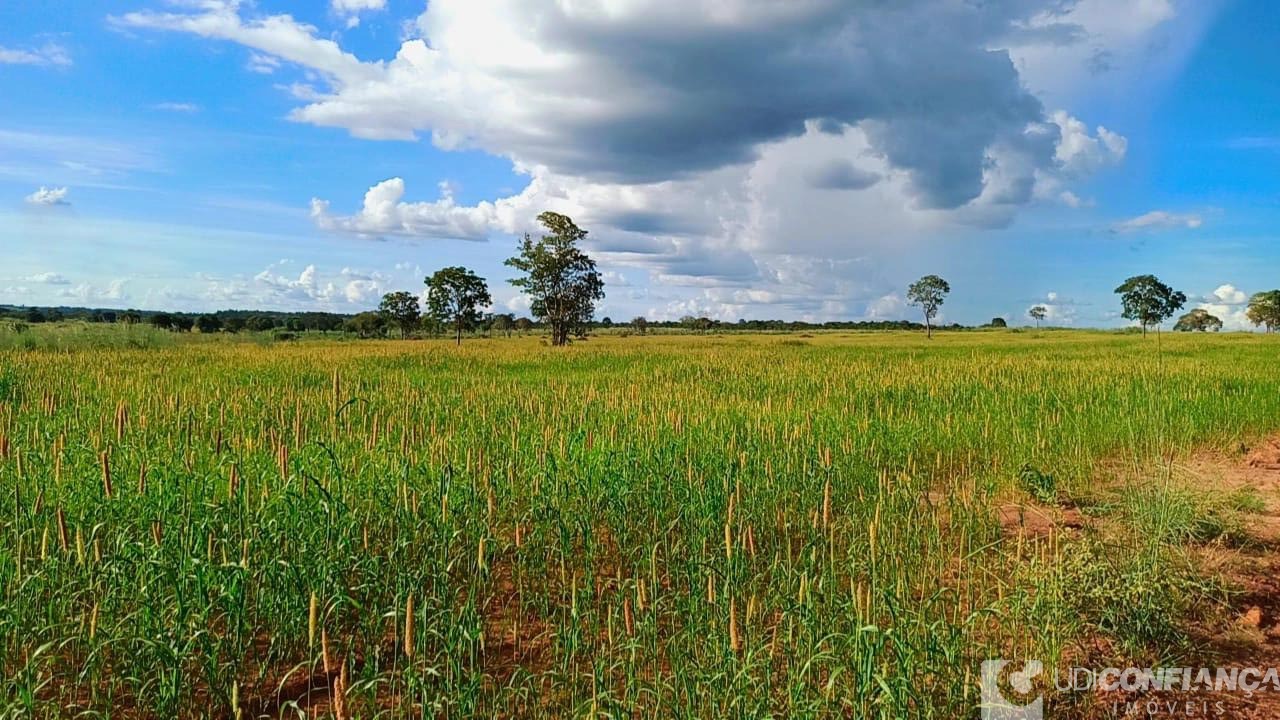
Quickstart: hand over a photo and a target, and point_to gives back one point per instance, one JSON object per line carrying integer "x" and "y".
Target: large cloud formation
{"x": 721, "y": 135}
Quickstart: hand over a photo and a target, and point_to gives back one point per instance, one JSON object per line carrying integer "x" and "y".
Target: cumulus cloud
{"x": 1227, "y": 294}
{"x": 49, "y": 196}
{"x": 1159, "y": 220}
{"x": 385, "y": 213}
{"x": 1079, "y": 153}
{"x": 346, "y": 290}
{"x": 886, "y": 307}
{"x": 590, "y": 90}
{"x": 48, "y": 278}
{"x": 1229, "y": 304}
{"x": 350, "y": 10}
{"x": 1057, "y": 309}
{"x": 841, "y": 174}
{"x": 50, "y": 54}
{"x": 711, "y": 144}
{"x": 88, "y": 293}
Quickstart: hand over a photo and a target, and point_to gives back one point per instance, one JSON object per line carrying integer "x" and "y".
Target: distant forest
{"x": 367, "y": 324}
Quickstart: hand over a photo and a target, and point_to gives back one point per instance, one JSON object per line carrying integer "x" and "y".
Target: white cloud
{"x": 1057, "y": 310}
{"x": 88, "y": 293}
{"x": 584, "y": 89}
{"x": 263, "y": 64}
{"x": 1080, "y": 153}
{"x": 49, "y": 196}
{"x": 886, "y": 307}
{"x": 688, "y": 176}
{"x": 48, "y": 278}
{"x": 50, "y": 54}
{"x": 178, "y": 107}
{"x": 1159, "y": 220}
{"x": 350, "y": 10}
{"x": 1072, "y": 200}
{"x": 1228, "y": 294}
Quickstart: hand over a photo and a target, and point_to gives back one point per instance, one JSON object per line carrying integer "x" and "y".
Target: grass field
{"x": 679, "y": 526}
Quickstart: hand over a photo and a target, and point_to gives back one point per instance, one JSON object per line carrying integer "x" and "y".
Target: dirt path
{"x": 1252, "y": 566}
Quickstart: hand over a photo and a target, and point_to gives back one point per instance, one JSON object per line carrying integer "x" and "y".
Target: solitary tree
{"x": 401, "y": 309}
{"x": 928, "y": 293}
{"x": 1264, "y": 309}
{"x": 1149, "y": 301}
{"x": 1038, "y": 313}
{"x": 1197, "y": 320}
{"x": 455, "y": 296}
{"x": 998, "y": 322}
{"x": 640, "y": 324}
{"x": 560, "y": 279}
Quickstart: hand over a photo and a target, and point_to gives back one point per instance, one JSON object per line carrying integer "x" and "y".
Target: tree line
{"x": 1144, "y": 299}
{"x": 563, "y": 287}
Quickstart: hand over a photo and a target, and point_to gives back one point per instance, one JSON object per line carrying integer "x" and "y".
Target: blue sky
{"x": 731, "y": 158}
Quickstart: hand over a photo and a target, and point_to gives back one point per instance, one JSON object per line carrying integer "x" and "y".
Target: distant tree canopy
{"x": 163, "y": 321}
{"x": 368, "y": 325}
{"x": 928, "y": 293}
{"x": 1038, "y": 313}
{"x": 1148, "y": 301}
{"x": 455, "y": 296}
{"x": 640, "y": 324}
{"x": 560, "y": 279}
{"x": 401, "y": 309}
{"x": 998, "y": 322}
{"x": 208, "y": 324}
{"x": 1264, "y": 309}
{"x": 504, "y": 323}
{"x": 1197, "y": 320}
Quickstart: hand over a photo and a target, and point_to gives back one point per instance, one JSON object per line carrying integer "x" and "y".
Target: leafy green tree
{"x": 1038, "y": 313}
{"x": 1197, "y": 320}
{"x": 1148, "y": 301}
{"x": 524, "y": 324}
{"x": 928, "y": 293}
{"x": 207, "y": 324}
{"x": 560, "y": 279}
{"x": 504, "y": 323}
{"x": 182, "y": 323}
{"x": 1264, "y": 309}
{"x": 163, "y": 321}
{"x": 640, "y": 324}
{"x": 401, "y": 309}
{"x": 998, "y": 322}
{"x": 260, "y": 323}
{"x": 455, "y": 296}
{"x": 368, "y": 325}
{"x": 233, "y": 324}
{"x": 35, "y": 317}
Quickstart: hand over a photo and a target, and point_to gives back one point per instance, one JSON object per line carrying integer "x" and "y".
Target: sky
{"x": 730, "y": 158}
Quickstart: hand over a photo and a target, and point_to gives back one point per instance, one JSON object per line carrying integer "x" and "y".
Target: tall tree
{"x": 559, "y": 278}
{"x": 1149, "y": 301}
{"x": 455, "y": 296}
{"x": 1264, "y": 309}
{"x": 1197, "y": 320}
{"x": 928, "y": 293}
{"x": 1038, "y": 313}
{"x": 401, "y": 309}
